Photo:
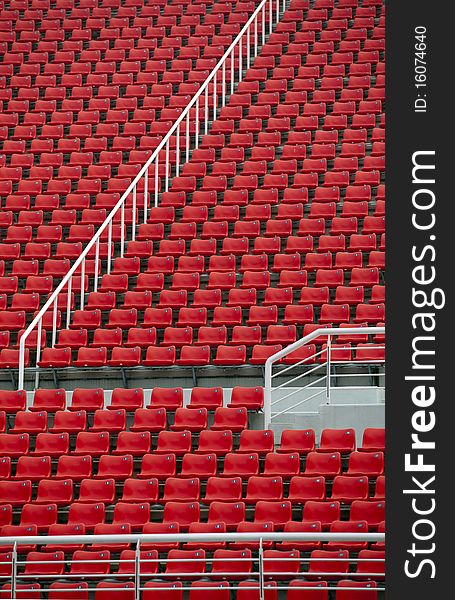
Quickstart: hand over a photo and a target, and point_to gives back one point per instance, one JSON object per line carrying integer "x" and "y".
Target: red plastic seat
{"x": 59, "y": 492}
{"x": 41, "y": 515}
{"x": 181, "y": 490}
{"x": 126, "y": 399}
{"x": 92, "y": 443}
{"x": 91, "y": 357}
{"x": 76, "y": 467}
{"x": 133, "y": 443}
{"x": 209, "y": 398}
{"x": 178, "y": 442}
{"x": 12, "y": 401}
{"x": 16, "y": 493}
{"x": 149, "y": 419}
{"x": 373, "y": 440}
{"x": 264, "y": 488}
{"x": 327, "y": 465}
{"x": 168, "y": 398}
{"x": 45, "y": 563}
{"x": 183, "y": 513}
{"x": 14, "y": 445}
{"x": 109, "y": 420}
{"x": 337, "y": 440}
{"x": 279, "y": 513}
{"x": 356, "y": 590}
{"x": 300, "y": 441}
{"x": 136, "y": 515}
{"x": 194, "y": 420}
{"x": 29, "y": 422}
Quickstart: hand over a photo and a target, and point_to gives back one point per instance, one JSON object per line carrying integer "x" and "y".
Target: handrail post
{"x": 38, "y": 352}
{"x": 146, "y": 195}
{"x": 261, "y": 570}
{"x": 263, "y": 24}
{"x": 122, "y": 240}
{"x": 232, "y": 71}
{"x": 20, "y": 381}
{"x": 54, "y": 323}
{"x": 187, "y": 137}
{"x": 13, "y": 571}
{"x": 215, "y": 99}
{"x": 166, "y": 164}
{"x": 83, "y": 277}
{"x": 177, "y": 151}
{"x": 133, "y": 221}
{"x": 97, "y": 257}
{"x": 137, "y": 571}
{"x": 109, "y": 244}
{"x": 206, "y": 110}
{"x": 68, "y": 302}
{"x": 329, "y": 351}
{"x": 223, "y": 85}
{"x": 268, "y": 394}
{"x": 156, "y": 179}
{"x": 197, "y": 127}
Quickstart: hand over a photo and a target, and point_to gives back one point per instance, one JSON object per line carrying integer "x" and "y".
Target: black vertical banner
{"x": 420, "y": 320}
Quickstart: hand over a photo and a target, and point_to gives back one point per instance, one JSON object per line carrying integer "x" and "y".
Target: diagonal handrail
{"x": 263, "y": 19}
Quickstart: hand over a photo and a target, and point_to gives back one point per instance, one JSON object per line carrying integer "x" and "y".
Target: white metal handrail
{"x": 183, "y": 538}
{"x": 328, "y": 333}
{"x": 257, "y": 575}
{"x": 253, "y": 33}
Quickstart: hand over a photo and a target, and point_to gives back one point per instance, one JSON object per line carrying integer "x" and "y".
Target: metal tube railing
{"x": 258, "y": 19}
{"x": 259, "y": 569}
{"x": 328, "y": 334}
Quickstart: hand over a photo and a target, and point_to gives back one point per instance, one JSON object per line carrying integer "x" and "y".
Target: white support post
{"x": 177, "y": 152}
{"x": 215, "y": 99}
{"x": 187, "y": 137}
{"x": 261, "y": 570}
{"x": 122, "y": 231}
{"x": 240, "y": 60}
{"x": 146, "y": 195}
{"x": 54, "y": 322}
{"x": 97, "y": 257}
{"x": 109, "y": 244}
{"x": 232, "y": 71}
{"x": 68, "y": 302}
{"x": 248, "y": 48}
{"x": 329, "y": 357}
{"x": 263, "y": 24}
{"x": 197, "y": 124}
{"x": 206, "y": 110}
{"x": 133, "y": 220}
{"x": 137, "y": 571}
{"x": 83, "y": 277}
{"x": 166, "y": 166}
{"x": 38, "y": 351}
{"x": 14, "y": 571}
{"x": 156, "y": 179}
{"x": 268, "y": 394}
{"x": 223, "y": 84}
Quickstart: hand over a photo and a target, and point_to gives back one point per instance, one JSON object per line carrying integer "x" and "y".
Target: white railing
{"x": 319, "y": 367}
{"x": 259, "y": 571}
{"x": 207, "y": 101}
